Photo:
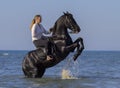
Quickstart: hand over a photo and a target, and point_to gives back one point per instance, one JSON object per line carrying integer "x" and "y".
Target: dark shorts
{"x": 44, "y": 43}
{"x": 41, "y": 43}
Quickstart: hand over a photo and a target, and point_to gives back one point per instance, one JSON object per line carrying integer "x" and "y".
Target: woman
{"x": 38, "y": 38}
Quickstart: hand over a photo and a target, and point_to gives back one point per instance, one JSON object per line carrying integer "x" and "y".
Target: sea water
{"x": 93, "y": 69}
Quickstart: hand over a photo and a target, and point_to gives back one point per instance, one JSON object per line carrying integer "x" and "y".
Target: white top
{"x": 38, "y": 31}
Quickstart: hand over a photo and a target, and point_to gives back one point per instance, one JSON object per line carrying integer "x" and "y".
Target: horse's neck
{"x": 60, "y": 28}
{"x": 61, "y": 31}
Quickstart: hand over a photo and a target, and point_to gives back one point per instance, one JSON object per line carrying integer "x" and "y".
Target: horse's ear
{"x": 64, "y": 13}
{"x": 67, "y": 12}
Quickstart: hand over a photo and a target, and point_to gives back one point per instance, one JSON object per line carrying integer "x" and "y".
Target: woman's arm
{"x": 45, "y": 31}
{"x": 33, "y": 30}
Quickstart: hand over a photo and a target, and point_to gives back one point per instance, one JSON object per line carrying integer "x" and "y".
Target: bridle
{"x": 69, "y": 22}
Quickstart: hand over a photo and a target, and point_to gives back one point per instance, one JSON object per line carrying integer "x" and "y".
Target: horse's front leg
{"x": 69, "y": 48}
{"x": 80, "y": 47}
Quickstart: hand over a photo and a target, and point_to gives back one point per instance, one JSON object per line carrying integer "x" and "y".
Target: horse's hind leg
{"x": 24, "y": 71}
{"x": 25, "y": 67}
{"x": 28, "y": 68}
{"x": 30, "y": 72}
{"x": 40, "y": 71}
{"x": 35, "y": 72}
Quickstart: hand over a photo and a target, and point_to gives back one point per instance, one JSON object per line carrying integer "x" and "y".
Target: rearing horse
{"x": 36, "y": 62}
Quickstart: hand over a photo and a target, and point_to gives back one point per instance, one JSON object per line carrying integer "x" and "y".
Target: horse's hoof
{"x": 81, "y": 39}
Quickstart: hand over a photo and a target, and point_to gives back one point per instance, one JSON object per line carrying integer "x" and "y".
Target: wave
{"x": 5, "y": 54}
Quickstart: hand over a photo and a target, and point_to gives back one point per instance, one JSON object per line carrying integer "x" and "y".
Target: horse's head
{"x": 65, "y": 21}
{"x": 71, "y": 23}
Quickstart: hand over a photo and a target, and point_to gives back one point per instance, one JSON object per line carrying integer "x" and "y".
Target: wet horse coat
{"x": 35, "y": 62}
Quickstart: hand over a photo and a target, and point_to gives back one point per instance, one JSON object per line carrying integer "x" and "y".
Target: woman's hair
{"x": 33, "y": 21}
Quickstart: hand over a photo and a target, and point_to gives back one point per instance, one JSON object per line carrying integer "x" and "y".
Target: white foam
{"x": 66, "y": 74}
{"x": 5, "y": 54}
{"x": 71, "y": 69}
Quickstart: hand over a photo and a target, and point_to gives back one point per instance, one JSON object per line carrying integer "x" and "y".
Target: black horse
{"x": 36, "y": 62}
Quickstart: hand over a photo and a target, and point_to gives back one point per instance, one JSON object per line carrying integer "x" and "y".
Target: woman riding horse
{"x": 35, "y": 62}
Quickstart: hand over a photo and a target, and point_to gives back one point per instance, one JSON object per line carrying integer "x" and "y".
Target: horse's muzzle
{"x": 77, "y": 30}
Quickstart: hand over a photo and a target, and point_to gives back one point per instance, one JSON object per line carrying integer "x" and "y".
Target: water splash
{"x": 71, "y": 69}
{"x": 66, "y": 74}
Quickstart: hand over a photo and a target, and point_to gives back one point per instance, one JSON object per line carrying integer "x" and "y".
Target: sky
{"x": 99, "y": 21}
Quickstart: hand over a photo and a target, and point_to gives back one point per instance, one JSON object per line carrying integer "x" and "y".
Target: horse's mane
{"x": 53, "y": 29}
